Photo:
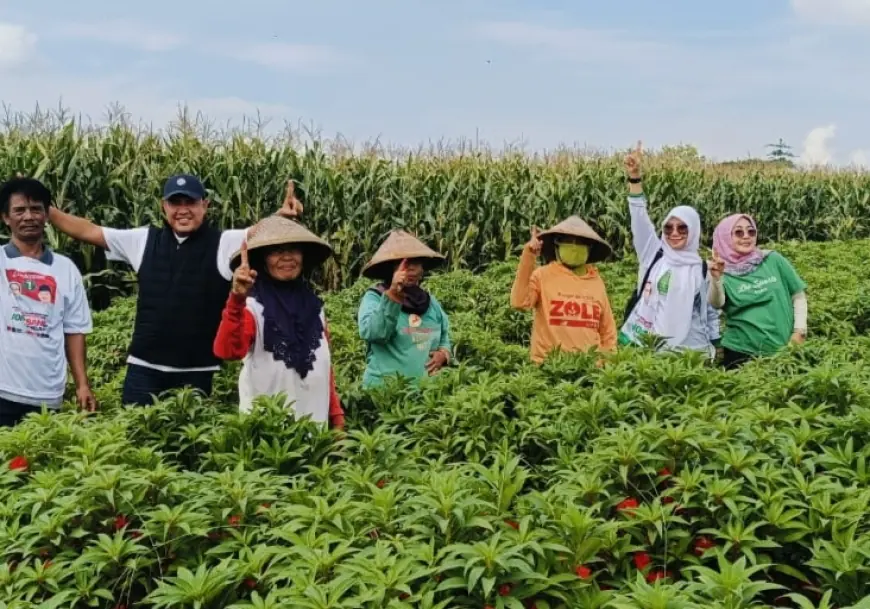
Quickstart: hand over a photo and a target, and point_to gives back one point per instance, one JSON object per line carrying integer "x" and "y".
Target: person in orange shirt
{"x": 572, "y": 310}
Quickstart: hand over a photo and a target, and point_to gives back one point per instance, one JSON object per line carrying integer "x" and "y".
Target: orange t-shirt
{"x": 571, "y": 311}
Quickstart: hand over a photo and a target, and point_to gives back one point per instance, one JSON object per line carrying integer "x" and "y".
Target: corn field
{"x": 474, "y": 206}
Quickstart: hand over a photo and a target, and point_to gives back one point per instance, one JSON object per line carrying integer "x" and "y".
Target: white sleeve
{"x": 799, "y": 301}
{"x": 126, "y": 245}
{"x": 76, "y": 311}
{"x": 230, "y": 243}
{"x": 643, "y": 232}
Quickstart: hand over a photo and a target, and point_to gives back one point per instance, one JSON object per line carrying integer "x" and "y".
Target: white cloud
{"x": 840, "y": 12}
{"x": 16, "y": 44}
{"x": 860, "y": 158}
{"x": 817, "y": 146}
{"x": 584, "y": 44}
{"x": 123, "y": 33}
{"x": 282, "y": 56}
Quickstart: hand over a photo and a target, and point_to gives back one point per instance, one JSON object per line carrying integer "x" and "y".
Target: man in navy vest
{"x": 184, "y": 280}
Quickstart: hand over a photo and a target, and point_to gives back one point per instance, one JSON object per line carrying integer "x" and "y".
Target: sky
{"x": 725, "y": 77}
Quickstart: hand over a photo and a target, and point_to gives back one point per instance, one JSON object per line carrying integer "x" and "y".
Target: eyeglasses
{"x": 680, "y": 229}
{"x": 740, "y": 233}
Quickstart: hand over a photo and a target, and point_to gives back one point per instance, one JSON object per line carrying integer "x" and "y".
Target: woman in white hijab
{"x": 671, "y": 298}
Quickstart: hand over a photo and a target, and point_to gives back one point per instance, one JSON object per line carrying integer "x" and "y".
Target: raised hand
{"x": 244, "y": 276}
{"x": 535, "y": 244}
{"x": 399, "y": 278}
{"x": 634, "y": 161}
{"x": 716, "y": 266}
{"x": 292, "y": 207}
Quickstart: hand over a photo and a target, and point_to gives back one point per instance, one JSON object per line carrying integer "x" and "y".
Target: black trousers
{"x": 732, "y": 360}
{"x": 11, "y": 412}
{"x": 141, "y": 383}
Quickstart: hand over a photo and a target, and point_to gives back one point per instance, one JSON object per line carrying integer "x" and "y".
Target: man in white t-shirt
{"x": 184, "y": 280}
{"x": 44, "y": 307}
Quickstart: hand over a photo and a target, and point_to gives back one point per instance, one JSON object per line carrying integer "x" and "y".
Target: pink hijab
{"x": 736, "y": 263}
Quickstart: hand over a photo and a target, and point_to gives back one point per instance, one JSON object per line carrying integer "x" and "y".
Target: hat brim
{"x": 197, "y": 196}
{"x": 385, "y": 267}
{"x": 313, "y": 254}
{"x": 598, "y": 250}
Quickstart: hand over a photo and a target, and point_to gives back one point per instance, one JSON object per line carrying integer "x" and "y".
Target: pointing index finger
{"x": 639, "y": 149}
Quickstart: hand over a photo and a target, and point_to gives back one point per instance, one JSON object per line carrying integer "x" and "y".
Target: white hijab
{"x": 686, "y": 281}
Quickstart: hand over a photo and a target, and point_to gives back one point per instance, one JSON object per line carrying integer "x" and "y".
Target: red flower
{"x": 234, "y": 521}
{"x": 512, "y": 524}
{"x": 665, "y": 472}
{"x": 504, "y": 589}
{"x": 120, "y": 522}
{"x": 251, "y": 583}
{"x": 702, "y": 544}
{"x": 19, "y": 463}
{"x": 135, "y": 534}
{"x": 642, "y": 560}
{"x": 583, "y": 572}
{"x": 381, "y": 483}
{"x": 667, "y": 500}
{"x": 628, "y": 504}
{"x": 658, "y": 574}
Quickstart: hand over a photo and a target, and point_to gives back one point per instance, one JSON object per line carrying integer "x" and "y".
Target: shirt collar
{"x": 12, "y": 251}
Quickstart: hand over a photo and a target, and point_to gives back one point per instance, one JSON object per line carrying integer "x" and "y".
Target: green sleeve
{"x": 445, "y": 329}
{"x": 377, "y": 318}
{"x": 793, "y": 282}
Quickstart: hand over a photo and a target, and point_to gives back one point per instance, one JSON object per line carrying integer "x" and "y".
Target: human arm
{"x": 714, "y": 331}
{"x": 237, "y": 330}
{"x": 75, "y": 346}
{"x": 80, "y": 229}
{"x": 441, "y": 356}
{"x": 525, "y": 292}
{"x": 607, "y": 328}
{"x": 799, "y": 302}
{"x": 377, "y": 317}
{"x": 336, "y": 412}
{"x": 643, "y": 232}
{"x": 77, "y": 324}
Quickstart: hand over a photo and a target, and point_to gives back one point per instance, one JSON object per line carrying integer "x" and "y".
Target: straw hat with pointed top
{"x": 574, "y": 226}
{"x": 280, "y": 230}
{"x": 398, "y": 246}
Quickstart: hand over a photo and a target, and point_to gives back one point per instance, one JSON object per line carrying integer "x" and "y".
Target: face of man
{"x": 184, "y": 214}
{"x": 26, "y": 219}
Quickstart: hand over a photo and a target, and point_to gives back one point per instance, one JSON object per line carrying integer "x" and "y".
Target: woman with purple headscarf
{"x": 760, "y": 292}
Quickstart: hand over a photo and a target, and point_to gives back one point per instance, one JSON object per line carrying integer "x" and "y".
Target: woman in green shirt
{"x": 763, "y": 297}
{"x": 407, "y": 333}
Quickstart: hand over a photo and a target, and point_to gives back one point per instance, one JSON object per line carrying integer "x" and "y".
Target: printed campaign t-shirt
{"x": 651, "y": 304}
{"x": 128, "y": 245}
{"x": 41, "y": 301}
{"x": 758, "y": 307}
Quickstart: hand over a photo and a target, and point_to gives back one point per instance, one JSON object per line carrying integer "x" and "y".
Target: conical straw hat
{"x": 398, "y": 246}
{"x": 575, "y": 227}
{"x": 280, "y": 230}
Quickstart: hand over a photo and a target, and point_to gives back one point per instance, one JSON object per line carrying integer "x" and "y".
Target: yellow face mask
{"x": 572, "y": 255}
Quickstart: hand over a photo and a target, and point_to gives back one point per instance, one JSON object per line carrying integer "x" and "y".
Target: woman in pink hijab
{"x": 760, "y": 292}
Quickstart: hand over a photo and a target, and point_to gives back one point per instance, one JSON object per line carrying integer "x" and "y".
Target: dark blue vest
{"x": 181, "y": 297}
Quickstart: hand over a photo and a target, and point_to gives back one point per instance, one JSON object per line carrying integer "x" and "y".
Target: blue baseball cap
{"x": 184, "y": 184}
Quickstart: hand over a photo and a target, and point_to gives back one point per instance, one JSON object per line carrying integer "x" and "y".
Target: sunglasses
{"x": 740, "y": 233}
{"x": 680, "y": 229}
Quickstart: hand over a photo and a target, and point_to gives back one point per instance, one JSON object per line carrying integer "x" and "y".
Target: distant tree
{"x": 780, "y": 152}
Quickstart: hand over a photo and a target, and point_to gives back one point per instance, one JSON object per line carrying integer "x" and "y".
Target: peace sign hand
{"x": 717, "y": 266}
{"x": 535, "y": 244}
{"x": 633, "y": 161}
{"x": 244, "y": 276}
{"x": 292, "y": 206}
